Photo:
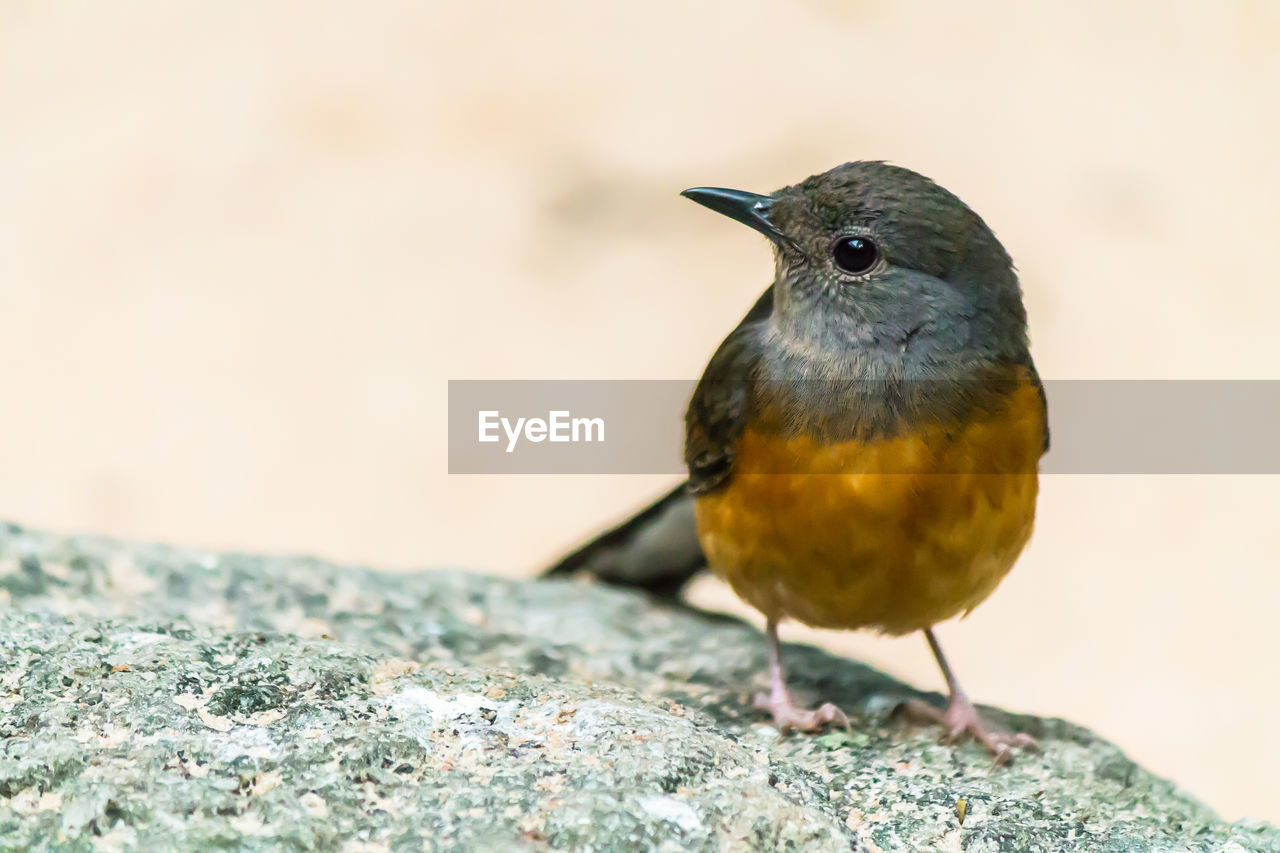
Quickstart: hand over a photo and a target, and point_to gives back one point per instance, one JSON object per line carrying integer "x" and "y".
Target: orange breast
{"x": 868, "y": 534}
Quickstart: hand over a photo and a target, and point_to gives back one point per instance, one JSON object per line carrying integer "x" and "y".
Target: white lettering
{"x": 488, "y": 423}
{"x": 560, "y": 426}
{"x": 587, "y": 424}
{"x": 513, "y": 435}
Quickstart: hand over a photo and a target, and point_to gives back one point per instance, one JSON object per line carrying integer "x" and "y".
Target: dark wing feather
{"x": 721, "y": 403}
{"x": 657, "y": 549}
{"x": 1044, "y": 401}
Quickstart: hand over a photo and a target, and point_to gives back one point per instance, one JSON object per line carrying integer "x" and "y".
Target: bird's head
{"x": 874, "y": 258}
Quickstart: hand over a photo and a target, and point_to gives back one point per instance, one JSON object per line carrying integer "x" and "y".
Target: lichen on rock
{"x": 161, "y": 699}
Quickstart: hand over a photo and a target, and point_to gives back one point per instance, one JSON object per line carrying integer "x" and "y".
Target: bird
{"x": 863, "y": 449}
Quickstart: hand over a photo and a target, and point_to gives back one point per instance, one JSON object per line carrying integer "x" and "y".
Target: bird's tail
{"x": 656, "y": 550}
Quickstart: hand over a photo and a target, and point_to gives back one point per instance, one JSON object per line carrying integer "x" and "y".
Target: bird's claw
{"x": 787, "y": 715}
{"x": 961, "y": 720}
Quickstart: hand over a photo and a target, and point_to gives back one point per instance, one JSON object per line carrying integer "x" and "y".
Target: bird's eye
{"x": 855, "y": 255}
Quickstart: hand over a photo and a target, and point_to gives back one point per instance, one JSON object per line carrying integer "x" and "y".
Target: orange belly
{"x": 868, "y": 534}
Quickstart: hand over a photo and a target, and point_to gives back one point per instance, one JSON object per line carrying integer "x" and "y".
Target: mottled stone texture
{"x": 159, "y": 699}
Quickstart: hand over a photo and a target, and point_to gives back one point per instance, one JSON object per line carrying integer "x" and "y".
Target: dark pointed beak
{"x": 750, "y": 209}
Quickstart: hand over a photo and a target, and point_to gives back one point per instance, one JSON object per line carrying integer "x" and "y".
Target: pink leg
{"x": 961, "y": 718}
{"x": 779, "y": 702}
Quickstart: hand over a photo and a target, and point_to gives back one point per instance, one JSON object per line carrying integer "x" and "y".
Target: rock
{"x": 159, "y": 699}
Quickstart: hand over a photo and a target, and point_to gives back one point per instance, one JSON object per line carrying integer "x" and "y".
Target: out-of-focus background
{"x": 243, "y": 246}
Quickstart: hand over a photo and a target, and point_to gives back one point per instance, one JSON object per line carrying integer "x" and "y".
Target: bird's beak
{"x": 750, "y": 209}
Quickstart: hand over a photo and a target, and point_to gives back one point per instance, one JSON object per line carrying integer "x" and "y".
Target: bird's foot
{"x": 787, "y": 715}
{"x": 961, "y": 719}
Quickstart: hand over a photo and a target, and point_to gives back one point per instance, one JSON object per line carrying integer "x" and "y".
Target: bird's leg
{"x": 779, "y": 701}
{"x": 961, "y": 717}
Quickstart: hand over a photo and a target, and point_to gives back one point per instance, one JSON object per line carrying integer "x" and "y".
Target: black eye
{"x": 855, "y": 255}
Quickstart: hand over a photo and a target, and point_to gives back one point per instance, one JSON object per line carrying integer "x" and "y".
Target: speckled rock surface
{"x": 158, "y": 699}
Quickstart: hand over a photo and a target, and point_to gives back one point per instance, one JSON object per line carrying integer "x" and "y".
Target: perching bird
{"x": 863, "y": 449}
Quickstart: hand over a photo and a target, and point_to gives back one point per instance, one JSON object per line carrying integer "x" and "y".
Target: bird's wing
{"x": 1044, "y": 402}
{"x": 657, "y": 549}
{"x": 721, "y": 404}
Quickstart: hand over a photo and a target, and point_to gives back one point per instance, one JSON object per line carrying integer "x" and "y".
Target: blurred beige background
{"x": 243, "y": 246}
